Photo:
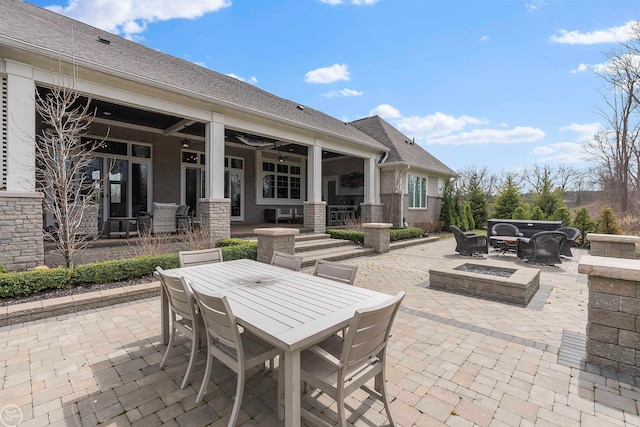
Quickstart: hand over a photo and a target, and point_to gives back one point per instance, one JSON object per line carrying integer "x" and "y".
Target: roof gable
{"x": 403, "y": 148}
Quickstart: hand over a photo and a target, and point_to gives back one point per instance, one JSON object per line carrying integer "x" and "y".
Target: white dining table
{"x": 290, "y": 310}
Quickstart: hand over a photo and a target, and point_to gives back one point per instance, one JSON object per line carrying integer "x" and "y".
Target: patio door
{"x": 233, "y": 185}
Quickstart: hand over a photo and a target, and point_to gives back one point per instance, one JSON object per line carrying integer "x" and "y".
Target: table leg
{"x": 164, "y": 316}
{"x": 292, "y": 389}
{"x": 126, "y": 229}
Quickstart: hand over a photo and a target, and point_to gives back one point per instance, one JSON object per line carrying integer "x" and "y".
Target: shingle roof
{"x": 31, "y": 27}
{"x": 403, "y": 149}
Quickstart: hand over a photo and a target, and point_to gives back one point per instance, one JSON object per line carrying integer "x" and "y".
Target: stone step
{"x": 334, "y": 254}
{"x": 311, "y": 245}
{"x": 304, "y": 237}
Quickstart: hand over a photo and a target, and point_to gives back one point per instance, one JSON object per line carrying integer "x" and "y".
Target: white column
{"x": 314, "y": 182}
{"x": 21, "y": 124}
{"x": 214, "y": 140}
{"x": 371, "y": 180}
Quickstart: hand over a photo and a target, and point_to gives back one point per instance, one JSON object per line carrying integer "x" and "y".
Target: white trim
{"x": 260, "y": 200}
{"x": 426, "y": 191}
{"x": 242, "y": 186}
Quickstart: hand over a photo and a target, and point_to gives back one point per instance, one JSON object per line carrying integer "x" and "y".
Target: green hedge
{"x": 354, "y": 236}
{"x": 358, "y": 236}
{"x": 29, "y": 282}
{"x": 405, "y": 233}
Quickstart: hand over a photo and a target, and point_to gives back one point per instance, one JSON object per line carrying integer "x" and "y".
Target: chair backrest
{"x": 164, "y": 217}
{"x": 335, "y": 271}
{"x": 281, "y": 259}
{"x": 219, "y": 321}
{"x": 572, "y": 233}
{"x": 368, "y": 332}
{"x": 182, "y": 210}
{"x": 505, "y": 229}
{"x": 204, "y": 256}
{"x": 547, "y": 241}
{"x": 179, "y": 294}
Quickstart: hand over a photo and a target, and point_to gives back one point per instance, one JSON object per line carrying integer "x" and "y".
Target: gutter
{"x": 38, "y": 50}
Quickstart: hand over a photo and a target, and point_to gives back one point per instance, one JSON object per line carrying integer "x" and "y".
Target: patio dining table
{"x": 290, "y": 310}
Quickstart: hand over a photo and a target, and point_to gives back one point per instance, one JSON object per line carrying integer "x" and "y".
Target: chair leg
{"x": 172, "y": 335}
{"x": 342, "y": 416}
{"x": 238, "y": 399}
{"x": 205, "y": 380}
{"x": 192, "y": 359}
{"x": 381, "y": 387}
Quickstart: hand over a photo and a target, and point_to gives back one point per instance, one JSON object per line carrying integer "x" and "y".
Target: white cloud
{"x": 535, "y": 5}
{"x": 584, "y": 131}
{"x": 610, "y": 35}
{"x": 385, "y": 111}
{"x": 490, "y": 136}
{"x": 436, "y": 125}
{"x": 251, "y": 80}
{"x": 327, "y": 74}
{"x": 331, "y": 2}
{"x": 560, "y": 152}
{"x": 343, "y": 92}
{"x": 130, "y": 18}
{"x": 484, "y": 38}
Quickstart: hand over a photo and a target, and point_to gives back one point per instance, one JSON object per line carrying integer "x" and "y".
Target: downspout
{"x": 401, "y": 216}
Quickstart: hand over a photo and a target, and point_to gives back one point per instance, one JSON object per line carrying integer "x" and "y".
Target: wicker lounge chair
{"x": 542, "y": 248}
{"x": 572, "y": 235}
{"x": 161, "y": 220}
{"x": 469, "y": 243}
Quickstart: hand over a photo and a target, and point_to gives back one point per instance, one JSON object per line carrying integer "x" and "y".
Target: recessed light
{"x": 106, "y": 113}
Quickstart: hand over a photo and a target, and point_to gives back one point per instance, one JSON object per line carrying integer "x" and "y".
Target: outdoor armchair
{"x": 199, "y": 257}
{"x": 281, "y": 259}
{"x": 469, "y": 243}
{"x": 338, "y": 367}
{"x": 182, "y": 217}
{"x": 339, "y": 272}
{"x": 161, "y": 220}
{"x": 542, "y": 248}
{"x": 572, "y": 235}
{"x": 504, "y": 229}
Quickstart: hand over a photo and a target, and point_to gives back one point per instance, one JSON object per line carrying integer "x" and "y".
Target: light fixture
{"x": 185, "y": 142}
{"x": 281, "y": 157}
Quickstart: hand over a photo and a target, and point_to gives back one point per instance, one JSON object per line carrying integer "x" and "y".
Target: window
{"x": 417, "y": 190}
{"x": 440, "y": 187}
{"x": 281, "y": 181}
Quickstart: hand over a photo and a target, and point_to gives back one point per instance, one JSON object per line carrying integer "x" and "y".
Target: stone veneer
{"x": 276, "y": 239}
{"x": 21, "y": 237}
{"x": 315, "y": 216}
{"x": 611, "y": 245}
{"x": 377, "y": 236}
{"x": 371, "y": 212}
{"x": 215, "y": 216}
{"x": 613, "y": 324}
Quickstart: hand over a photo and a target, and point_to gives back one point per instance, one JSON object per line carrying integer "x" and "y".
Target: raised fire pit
{"x": 513, "y": 285}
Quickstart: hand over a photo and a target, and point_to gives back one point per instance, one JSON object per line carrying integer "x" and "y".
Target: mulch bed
{"x": 55, "y": 293}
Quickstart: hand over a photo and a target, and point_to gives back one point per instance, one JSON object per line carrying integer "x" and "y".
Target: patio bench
{"x": 279, "y": 214}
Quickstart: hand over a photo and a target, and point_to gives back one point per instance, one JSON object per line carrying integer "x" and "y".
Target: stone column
{"x": 376, "y": 236}
{"x": 21, "y": 237}
{"x": 315, "y": 216}
{"x": 613, "y": 324}
{"x": 275, "y": 239}
{"x": 215, "y": 217}
{"x": 371, "y": 212}
{"x": 612, "y": 245}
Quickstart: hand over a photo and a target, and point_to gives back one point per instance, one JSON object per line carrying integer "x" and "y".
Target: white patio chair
{"x": 343, "y": 273}
{"x": 183, "y": 317}
{"x": 238, "y": 351}
{"x": 338, "y": 367}
{"x": 281, "y": 259}
{"x": 199, "y": 257}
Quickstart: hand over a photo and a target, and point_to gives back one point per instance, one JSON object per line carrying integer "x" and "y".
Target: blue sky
{"x": 496, "y": 83}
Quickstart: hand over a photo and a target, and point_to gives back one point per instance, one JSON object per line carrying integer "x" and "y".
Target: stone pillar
{"x": 315, "y": 216}
{"x": 612, "y": 245}
{"x": 613, "y": 324}
{"x": 275, "y": 239}
{"x": 376, "y": 236}
{"x": 21, "y": 237}
{"x": 215, "y": 216}
{"x": 371, "y": 212}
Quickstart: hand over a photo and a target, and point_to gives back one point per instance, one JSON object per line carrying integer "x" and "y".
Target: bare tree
{"x": 614, "y": 148}
{"x": 62, "y": 159}
{"x": 487, "y": 181}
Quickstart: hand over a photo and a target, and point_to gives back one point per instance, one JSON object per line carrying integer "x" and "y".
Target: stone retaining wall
{"x": 611, "y": 245}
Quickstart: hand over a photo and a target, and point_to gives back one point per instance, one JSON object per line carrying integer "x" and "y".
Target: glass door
{"x": 116, "y": 189}
{"x": 233, "y": 183}
{"x": 193, "y": 187}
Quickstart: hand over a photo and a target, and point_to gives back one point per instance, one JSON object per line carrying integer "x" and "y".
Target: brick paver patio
{"x": 454, "y": 360}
